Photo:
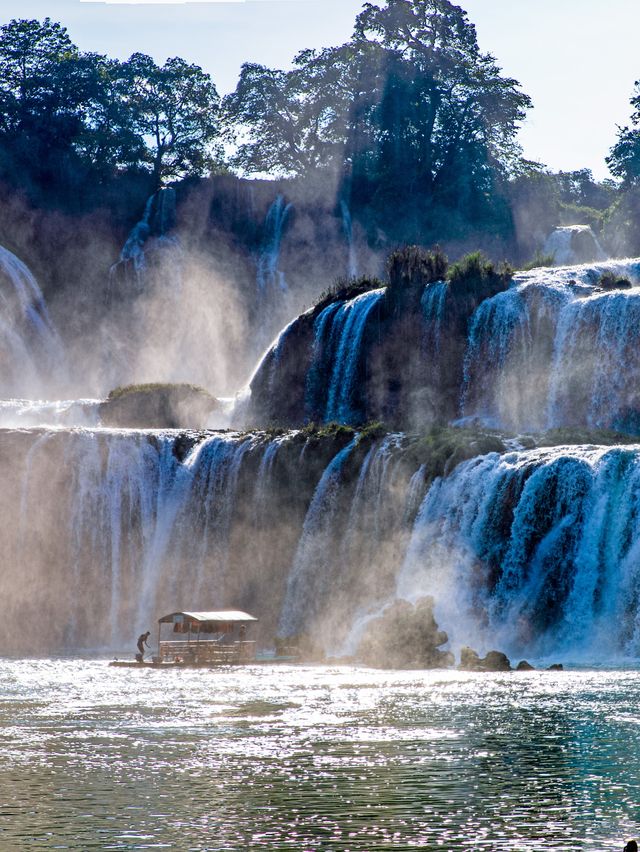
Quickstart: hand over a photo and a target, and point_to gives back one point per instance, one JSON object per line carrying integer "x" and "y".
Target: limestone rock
{"x": 494, "y": 661}
{"x": 405, "y": 636}
{"x": 158, "y": 406}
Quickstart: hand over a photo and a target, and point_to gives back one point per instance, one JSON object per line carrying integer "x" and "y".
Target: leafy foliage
{"x": 409, "y": 108}
{"x": 610, "y": 281}
{"x": 624, "y": 157}
{"x": 69, "y": 119}
{"x": 539, "y": 260}
{"x": 347, "y": 288}
{"x": 414, "y": 266}
{"x": 174, "y": 110}
{"x": 477, "y": 275}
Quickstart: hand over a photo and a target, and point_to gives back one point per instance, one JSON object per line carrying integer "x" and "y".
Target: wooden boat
{"x": 200, "y": 639}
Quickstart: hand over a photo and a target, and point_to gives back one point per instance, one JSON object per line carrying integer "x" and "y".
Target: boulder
{"x": 524, "y": 666}
{"x": 494, "y": 661}
{"x": 405, "y": 636}
{"x": 469, "y": 660}
{"x": 158, "y": 406}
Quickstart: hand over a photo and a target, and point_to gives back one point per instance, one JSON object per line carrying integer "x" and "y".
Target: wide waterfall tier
{"x": 534, "y": 551}
{"x": 31, "y": 353}
{"x": 104, "y": 530}
{"x": 558, "y": 347}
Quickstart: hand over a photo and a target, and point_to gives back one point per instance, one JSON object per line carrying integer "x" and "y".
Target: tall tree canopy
{"x": 288, "y": 123}
{"x": 624, "y": 157}
{"x": 174, "y": 108}
{"x": 410, "y": 108}
{"x": 71, "y": 119}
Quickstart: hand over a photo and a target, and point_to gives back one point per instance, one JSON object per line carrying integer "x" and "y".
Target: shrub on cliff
{"x": 442, "y": 448}
{"x": 347, "y": 288}
{"x": 412, "y": 266}
{"x": 610, "y": 281}
{"x": 475, "y": 275}
{"x": 539, "y": 260}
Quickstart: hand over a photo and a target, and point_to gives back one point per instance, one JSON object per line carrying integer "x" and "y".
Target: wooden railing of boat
{"x": 207, "y": 652}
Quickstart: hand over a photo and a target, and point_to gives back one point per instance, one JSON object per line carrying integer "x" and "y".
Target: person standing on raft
{"x": 143, "y": 640}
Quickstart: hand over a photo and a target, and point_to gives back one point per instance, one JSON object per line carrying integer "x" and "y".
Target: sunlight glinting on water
{"x": 315, "y": 758}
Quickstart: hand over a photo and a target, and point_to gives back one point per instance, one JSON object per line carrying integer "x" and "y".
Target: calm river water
{"x": 271, "y": 758}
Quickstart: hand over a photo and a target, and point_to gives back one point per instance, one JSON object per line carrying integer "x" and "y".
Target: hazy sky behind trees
{"x": 577, "y": 59}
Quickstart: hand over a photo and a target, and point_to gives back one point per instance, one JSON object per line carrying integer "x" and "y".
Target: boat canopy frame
{"x": 215, "y": 617}
{"x": 221, "y": 623}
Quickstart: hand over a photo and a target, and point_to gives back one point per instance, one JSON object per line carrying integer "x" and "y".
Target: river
{"x": 311, "y": 758}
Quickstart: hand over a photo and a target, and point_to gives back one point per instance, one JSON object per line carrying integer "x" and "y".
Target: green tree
{"x": 409, "y": 108}
{"x": 445, "y": 120}
{"x": 290, "y": 123}
{"x": 110, "y": 139}
{"x": 175, "y": 109}
{"x": 624, "y": 157}
{"x": 37, "y": 80}
{"x": 42, "y": 92}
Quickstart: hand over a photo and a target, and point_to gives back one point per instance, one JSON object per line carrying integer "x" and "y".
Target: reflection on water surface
{"x": 271, "y": 758}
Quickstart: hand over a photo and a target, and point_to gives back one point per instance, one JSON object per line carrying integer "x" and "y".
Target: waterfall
{"x": 132, "y": 529}
{"x": 148, "y": 239}
{"x": 508, "y": 357}
{"x": 573, "y": 244}
{"x": 531, "y": 551}
{"x": 30, "y": 349}
{"x": 534, "y": 551}
{"x": 270, "y": 280}
{"x": 547, "y": 353}
{"x": 312, "y": 572}
{"x": 351, "y": 544}
{"x": 596, "y": 366}
{"x": 433, "y": 306}
{"x": 334, "y": 380}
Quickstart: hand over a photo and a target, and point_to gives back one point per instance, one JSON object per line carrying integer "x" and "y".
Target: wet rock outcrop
{"x": 405, "y": 636}
{"x": 158, "y": 406}
{"x": 493, "y": 661}
{"x": 374, "y": 351}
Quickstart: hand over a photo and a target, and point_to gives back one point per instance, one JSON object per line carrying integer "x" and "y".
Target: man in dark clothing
{"x": 143, "y": 640}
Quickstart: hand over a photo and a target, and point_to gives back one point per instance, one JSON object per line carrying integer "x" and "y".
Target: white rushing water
{"x": 554, "y": 351}
{"x": 270, "y": 280}
{"x": 573, "y": 244}
{"x": 538, "y": 548}
{"x": 338, "y": 354}
{"x": 31, "y": 351}
{"x": 347, "y": 229}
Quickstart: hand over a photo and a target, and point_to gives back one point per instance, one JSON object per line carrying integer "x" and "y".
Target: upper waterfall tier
{"x": 558, "y": 347}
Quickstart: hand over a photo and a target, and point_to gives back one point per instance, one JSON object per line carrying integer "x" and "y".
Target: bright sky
{"x": 577, "y": 59}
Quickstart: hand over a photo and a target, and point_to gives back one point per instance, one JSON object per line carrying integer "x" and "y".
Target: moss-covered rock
{"x": 158, "y": 406}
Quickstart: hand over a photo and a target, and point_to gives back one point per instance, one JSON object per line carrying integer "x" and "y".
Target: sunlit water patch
{"x": 316, "y": 758}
